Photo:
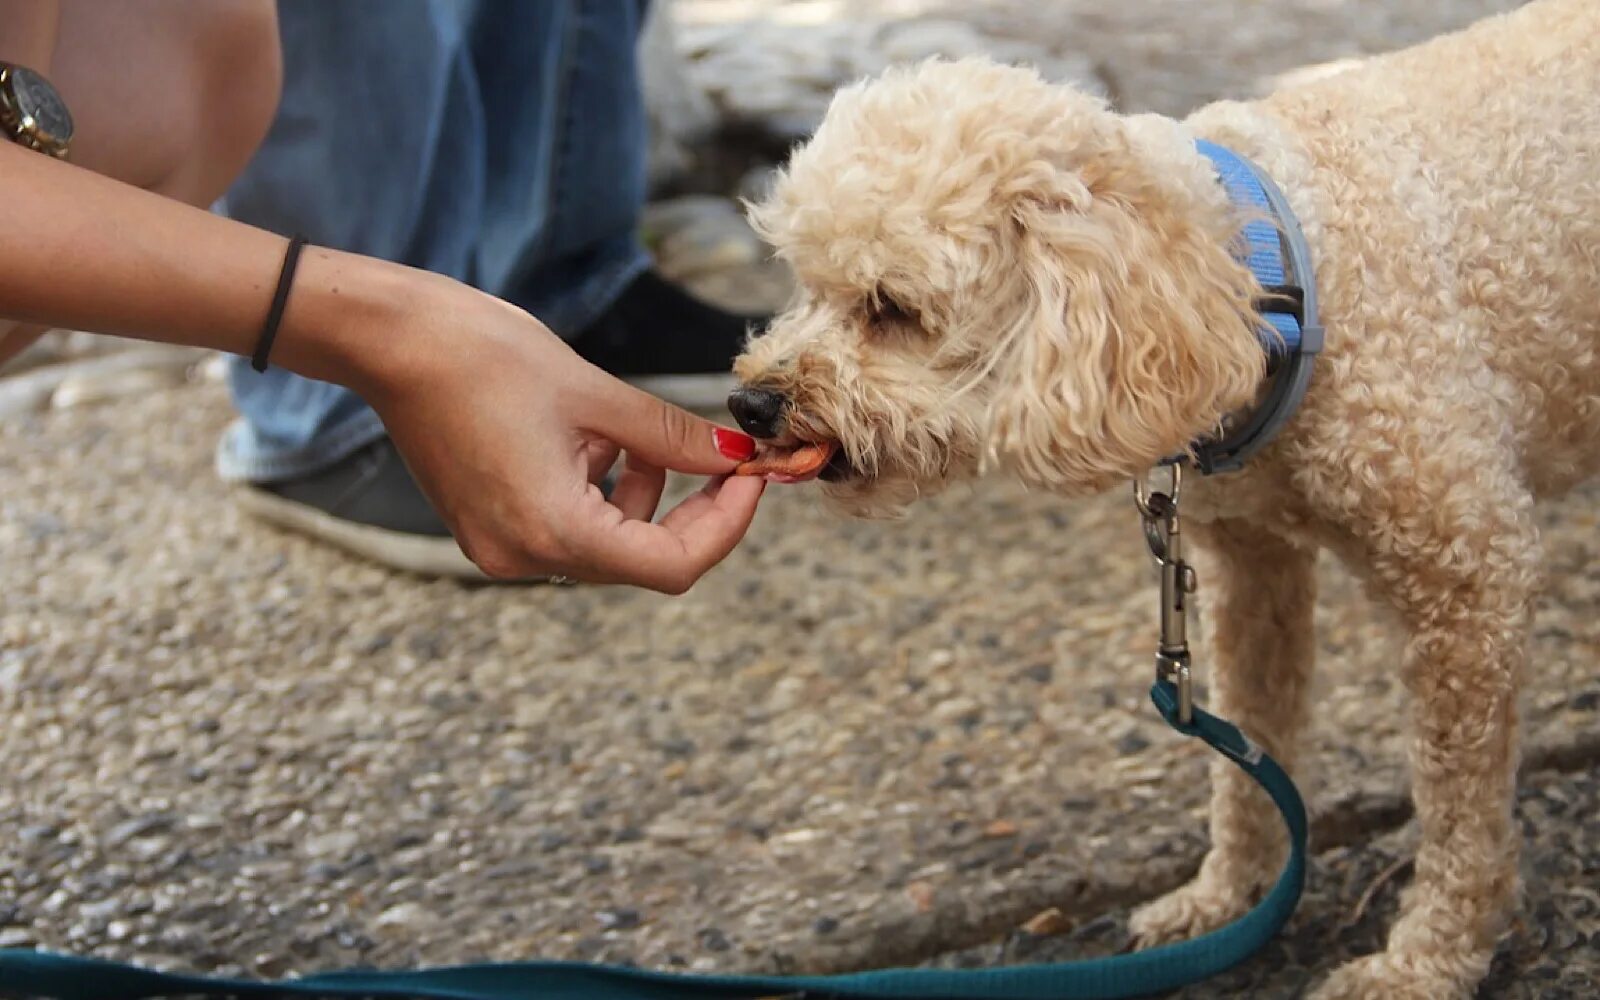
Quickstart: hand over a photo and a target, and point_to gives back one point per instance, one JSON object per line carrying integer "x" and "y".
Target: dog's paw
{"x": 1385, "y": 977}
{"x": 1190, "y": 911}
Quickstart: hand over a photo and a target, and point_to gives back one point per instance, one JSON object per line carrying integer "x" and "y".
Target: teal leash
{"x": 1158, "y": 970}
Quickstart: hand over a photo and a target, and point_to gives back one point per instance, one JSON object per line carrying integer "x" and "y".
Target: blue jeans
{"x": 499, "y": 142}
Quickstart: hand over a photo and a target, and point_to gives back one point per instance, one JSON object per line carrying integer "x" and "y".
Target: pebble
{"x": 404, "y": 916}
{"x": 1131, "y": 743}
{"x": 712, "y": 939}
{"x": 1000, "y": 829}
{"x": 1046, "y": 923}
{"x": 87, "y": 389}
{"x": 139, "y": 826}
{"x": 133, "y": 368}
{"x": 1040, "y": 673}
{"x": 921, "y": 895}
{"x": 618, "y": 919}
{"x": 336, "y": 844}
{"x": 553, "y": 840}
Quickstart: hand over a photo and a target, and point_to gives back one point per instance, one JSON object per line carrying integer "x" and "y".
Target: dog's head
{"x": 995, "y": 273}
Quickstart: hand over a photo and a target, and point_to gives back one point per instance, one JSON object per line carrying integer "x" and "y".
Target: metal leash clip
{"x": 1163, "y": 534}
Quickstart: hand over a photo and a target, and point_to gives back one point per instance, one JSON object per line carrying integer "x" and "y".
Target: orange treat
{"x": 802, "y": 462}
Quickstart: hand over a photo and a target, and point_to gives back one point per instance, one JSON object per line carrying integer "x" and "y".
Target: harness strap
{"x": 1277, "y": 253}
{"x": 59, "y": 977}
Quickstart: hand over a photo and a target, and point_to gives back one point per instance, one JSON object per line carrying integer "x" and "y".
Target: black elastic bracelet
{"x": 280, "y": 298}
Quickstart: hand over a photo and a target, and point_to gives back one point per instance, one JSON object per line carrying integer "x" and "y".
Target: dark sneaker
{"x": 368, "y": 504}
{"x": 669, "y": 343}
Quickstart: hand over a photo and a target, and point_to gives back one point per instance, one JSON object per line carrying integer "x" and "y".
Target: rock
{"x": 780, "y": 71}
{"x": 213, "y": 369}
{"x": 756, "y": 184}
{"x": 1000, "y": 829}
{"x": 407, "y": 917}
{"x": 82, "y": 390}
{"x": 47, "y": 350}
{"x": 139, "y": 826}
{"x": 713, "y": 939}
{"x": 677, "y": 110}
{"x": 134, "y": 371}
{"x": 28, "y": 393}
{"x": 1131, "y": 743}
{"x": 914, "y": 41}
{"x": 921, "y": 895}
{"x": 1047, "y": 923}
{"x": 621, "y": 919}
{"x": 336, "y": 844}
{"x": 1039, "y": 673}
{"x": 553, "y": 840}
{"x": 17, "y": 937}
{"x": 698, "y": 235}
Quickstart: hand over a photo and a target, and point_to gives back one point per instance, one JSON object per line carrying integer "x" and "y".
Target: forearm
{"x": 28, "y": 30}
{"x": 84, "y": 252}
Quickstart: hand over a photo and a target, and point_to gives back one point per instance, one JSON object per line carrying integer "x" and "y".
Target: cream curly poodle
{"x": 998, "y": 275}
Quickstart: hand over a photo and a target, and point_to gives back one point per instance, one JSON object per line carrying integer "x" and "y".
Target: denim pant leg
{"x": 501, "y": 143}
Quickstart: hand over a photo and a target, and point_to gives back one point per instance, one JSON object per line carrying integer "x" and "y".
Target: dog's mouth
{"x": 797, "y": 461}
{"x": 838, "y": 468}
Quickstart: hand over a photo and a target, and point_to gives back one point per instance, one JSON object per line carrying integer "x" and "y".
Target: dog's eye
{"x": 883, "y": 310}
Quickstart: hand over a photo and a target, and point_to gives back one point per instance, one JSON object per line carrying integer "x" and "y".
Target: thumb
{"x": 672, "y": 438}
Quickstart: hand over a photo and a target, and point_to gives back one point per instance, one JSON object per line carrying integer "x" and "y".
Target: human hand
{"x": 508, "y": 431}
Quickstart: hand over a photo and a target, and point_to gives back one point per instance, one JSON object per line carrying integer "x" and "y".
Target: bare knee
{"x": 240, "y": 80}
{"x": 170, "y": 95}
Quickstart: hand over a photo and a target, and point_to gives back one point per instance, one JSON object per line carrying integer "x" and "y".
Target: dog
{"x": 997, "y": 275}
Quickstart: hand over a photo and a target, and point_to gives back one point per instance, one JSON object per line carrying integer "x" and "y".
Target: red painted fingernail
{"x": 734, "y": 445}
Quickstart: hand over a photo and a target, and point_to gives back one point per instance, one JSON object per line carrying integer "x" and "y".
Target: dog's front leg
{"x": 1259, "y": 591}
{"x": 1466, "y": 594}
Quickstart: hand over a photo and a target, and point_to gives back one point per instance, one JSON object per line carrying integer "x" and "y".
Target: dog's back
{"x": 1479, "y": 154}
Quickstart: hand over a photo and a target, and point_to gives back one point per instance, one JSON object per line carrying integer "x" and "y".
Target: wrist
{"x": 347, "y": 316}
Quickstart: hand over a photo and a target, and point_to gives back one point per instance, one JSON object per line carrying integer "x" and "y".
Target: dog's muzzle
{"x": 760, "y": 412}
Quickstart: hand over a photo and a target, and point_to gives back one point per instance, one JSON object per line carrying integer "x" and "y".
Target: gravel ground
{"x": 1551, "y": 953}
{"x": 853, "y": 745}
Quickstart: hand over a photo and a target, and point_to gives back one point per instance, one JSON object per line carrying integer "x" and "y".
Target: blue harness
{"x": 1281, "y": 262}
{"x": 1292, "y": 341}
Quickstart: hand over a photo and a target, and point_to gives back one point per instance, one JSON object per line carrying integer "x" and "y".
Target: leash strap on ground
{"x": 59, "y": 977}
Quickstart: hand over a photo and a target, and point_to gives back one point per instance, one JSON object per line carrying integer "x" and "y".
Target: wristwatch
{"x": 32, "y": 113}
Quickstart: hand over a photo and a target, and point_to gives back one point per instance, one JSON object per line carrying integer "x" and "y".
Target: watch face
{"x": 37, "y": 100}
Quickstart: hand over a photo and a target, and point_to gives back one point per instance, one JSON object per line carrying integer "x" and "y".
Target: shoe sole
{"x": 415, "y": 554}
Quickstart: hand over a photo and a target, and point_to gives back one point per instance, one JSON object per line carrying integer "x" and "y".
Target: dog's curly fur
{"x": 998, "y": 274}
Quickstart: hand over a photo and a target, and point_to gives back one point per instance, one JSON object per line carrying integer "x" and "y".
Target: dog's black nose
{"x": 759, "y": 411}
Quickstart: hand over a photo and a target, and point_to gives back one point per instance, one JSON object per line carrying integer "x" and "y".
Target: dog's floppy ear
{"x": 1134, "y": 332}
